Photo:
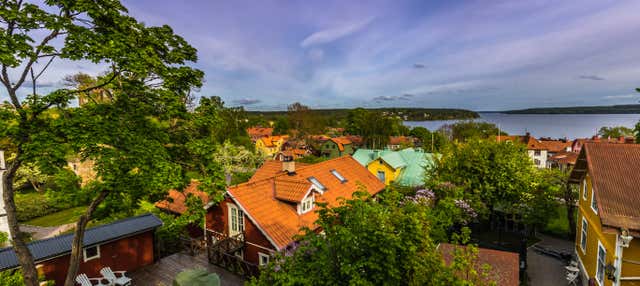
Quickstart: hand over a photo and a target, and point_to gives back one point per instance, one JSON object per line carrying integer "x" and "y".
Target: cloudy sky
{"x": 480, "y": 55}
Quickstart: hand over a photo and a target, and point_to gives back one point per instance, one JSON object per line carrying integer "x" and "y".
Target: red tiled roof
{"x": 278, "y": 218}
{"x": 398, "y": 140}
{"x": 269, "y": 140}
{"x": 341, "y": 141}
{"x": 555, "y": 146}
{"x": 504, "y": 271}
{"x": 565, "y": 157}
{"x": 175, "y": 201}
{"x": 615, "y": 172}
{"x": 271, "y": 168}
{"x": 257, "y": 132}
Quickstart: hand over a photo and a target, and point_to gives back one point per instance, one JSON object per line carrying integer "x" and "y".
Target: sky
{"x": 479, "y": 55}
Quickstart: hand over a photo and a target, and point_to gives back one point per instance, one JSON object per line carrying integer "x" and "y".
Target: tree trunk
{"x": 78, "y": 237}
{"x": 25, "y": 258}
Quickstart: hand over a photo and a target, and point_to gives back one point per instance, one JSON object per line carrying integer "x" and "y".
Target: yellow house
{"x": 405, "y": 167}
{"x": 608, "y": 226}
{"x": 270, "y": 145}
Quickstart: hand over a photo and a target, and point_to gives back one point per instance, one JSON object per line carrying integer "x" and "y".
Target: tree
{"x": 374, "y": 127}
{"x": 490, "y": 172}
{"x": 126, "y": 135}
{"x": 431, "y": 141}
{"x": 615, "y": 132}
{"x": 282, "y": 125}
{"x": 392, "y": 233}
{"x": 466, "y": 130}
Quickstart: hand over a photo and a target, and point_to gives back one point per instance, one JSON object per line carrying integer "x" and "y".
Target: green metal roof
{"x": 412, "y": 162}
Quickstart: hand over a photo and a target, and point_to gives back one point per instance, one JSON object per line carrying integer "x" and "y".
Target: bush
{"x": 33, "y": 205}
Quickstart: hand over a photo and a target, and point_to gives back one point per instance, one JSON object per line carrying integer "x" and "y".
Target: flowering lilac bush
{"x": 467, "y": 209}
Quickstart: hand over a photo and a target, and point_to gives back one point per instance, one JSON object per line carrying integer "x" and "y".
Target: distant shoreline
{"x": 407, "y": 114}
{"x": 611, "y": 109}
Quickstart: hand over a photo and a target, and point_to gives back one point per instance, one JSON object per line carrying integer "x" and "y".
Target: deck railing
{"x": 222, "y": 250}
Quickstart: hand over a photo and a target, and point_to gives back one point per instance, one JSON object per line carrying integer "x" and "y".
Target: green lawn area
{"x": 558, "y": 225}
{"x": 58, "y": 218}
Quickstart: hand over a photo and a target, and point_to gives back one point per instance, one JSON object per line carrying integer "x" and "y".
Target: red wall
{"x": 126, "y": 254}
{"x": 217, "y": 219}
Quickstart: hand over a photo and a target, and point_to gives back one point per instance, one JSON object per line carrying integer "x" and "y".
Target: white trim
{"x": 240, "y": 220}
{"x": 253, "y": 221}
{"x": 84, "y": 253}
{"x": 584, "y": 188}
{"x": 260, "y": 256}
{"x": 603, "y": 266}
{"x": 593, "y": 195}
{"x": 617, "y": 261}
{"x": 585, "y": 274}
{"x": 307, "y": 199}
{"x": 585, "y": 234}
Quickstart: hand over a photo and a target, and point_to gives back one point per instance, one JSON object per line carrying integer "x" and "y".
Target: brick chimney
{"x": 288, "y": 165}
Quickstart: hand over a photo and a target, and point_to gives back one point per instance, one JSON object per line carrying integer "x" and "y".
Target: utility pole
{"x": 4, "y": 222}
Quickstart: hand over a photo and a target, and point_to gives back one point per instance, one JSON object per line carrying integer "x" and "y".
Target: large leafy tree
{"x": 491, "y": 172}
{"x": 615, "y": 132}
{"x": 467, "y": 130}
{"x": 125, "y": 132}
{"x": 366, "y": 242}
{"x": 374, "y": 127}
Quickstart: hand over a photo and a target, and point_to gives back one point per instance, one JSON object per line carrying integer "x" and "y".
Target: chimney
{"x": 288, "y": 165}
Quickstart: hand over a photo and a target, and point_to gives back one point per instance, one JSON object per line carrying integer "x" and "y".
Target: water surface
{"x": 546, "y": 125}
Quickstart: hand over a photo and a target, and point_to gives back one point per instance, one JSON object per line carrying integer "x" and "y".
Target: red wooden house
{"x": 124, "y": 245}
{"x": 264, "y": 214}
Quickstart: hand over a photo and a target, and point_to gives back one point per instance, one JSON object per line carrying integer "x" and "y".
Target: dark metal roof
{"x": 59, "y": 245}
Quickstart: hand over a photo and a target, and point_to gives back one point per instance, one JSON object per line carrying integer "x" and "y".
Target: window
{"x": 381, "y": 176}
{"x": 536, "y": 153}
{"x": 92, "y": 252}
{"x": 594, "y": 203}
{"x": 583, "y": 235}
{"x": 236, "y": 220}
{"x": 317, "y": 183}
{"x": 584, "y": 189}
{"x": 339, "y": 176}
{"x": 263, "y": 258}
{"x": 306, "y": 204}
{"x": 536, "y": 162}
{"x": 602, "y": 254}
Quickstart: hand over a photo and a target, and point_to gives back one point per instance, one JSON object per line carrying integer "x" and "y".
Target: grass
{"x": 58, "y": 218}
{"x": 558, "y": 225}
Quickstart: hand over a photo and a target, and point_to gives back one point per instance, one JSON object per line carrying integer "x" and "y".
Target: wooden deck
{"x": 163, "y": 271}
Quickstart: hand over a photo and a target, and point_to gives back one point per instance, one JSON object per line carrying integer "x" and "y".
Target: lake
{"x": 546, "y": 125}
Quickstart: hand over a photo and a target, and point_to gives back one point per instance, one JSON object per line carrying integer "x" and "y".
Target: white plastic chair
{"x": 83, "y": 280}
{"x": 115, "y": 280}
{"x": 571, "y": 278}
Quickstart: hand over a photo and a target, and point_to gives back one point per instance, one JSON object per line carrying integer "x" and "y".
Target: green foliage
{"x": 393, "y": 235}
{"x": 33, "y": 205}
{"x": 431, "y": 141}
{"x": 4, "y": 238}
{"x": 490, "y": 172}
{"x": 374, "y": 127}
{"x": 14, "y": 278}
{"x": 615, "y": 132}
{"x": 282, "y": 125}
{"x": 467, "y": 130}
{"x": 311, "y": 159}
{"x": 70, "y": 215}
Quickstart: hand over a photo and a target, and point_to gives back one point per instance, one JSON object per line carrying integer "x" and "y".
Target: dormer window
{"x": 317, "y": 184}
{"x": 306, "y": 205}
{"x": 338, "y": 176}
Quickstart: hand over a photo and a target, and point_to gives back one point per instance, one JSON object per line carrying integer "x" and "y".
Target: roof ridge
{"x": 88, "y": 229}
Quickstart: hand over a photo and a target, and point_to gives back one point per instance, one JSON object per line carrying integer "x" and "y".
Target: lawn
{"x": 58, "y": 218}
{"x": 558, "y": 225}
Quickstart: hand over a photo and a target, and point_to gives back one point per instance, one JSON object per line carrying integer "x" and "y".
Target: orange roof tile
{"x": 341, "y": 141}
{"x": 398, "y": 140}
{"x": 175, "y": 201}
{"x": 555, "y": 146}
{"x": 278, "y": 218}
{"x": 615, "y": 172}
{"x": 257, "y": 132}
{"x": 504, "y": 271}
{"x": 565, "y": 157}
{"x": 271, "y": 168}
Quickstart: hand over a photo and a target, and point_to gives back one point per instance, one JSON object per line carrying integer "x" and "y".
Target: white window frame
{"x": 239, "y": 223}
{"x": 384, "y": 176}
{"x": 84, "y": 253}
{"x": 584, "y": 189}
{"x": 593, "y": 196}
{"x": 261, "y": 256}
{"x": 604, "y": 265}
{"x": 306, "y": 205}
{"x": 584, "y": 232}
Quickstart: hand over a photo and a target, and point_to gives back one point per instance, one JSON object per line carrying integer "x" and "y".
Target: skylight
{"x": 317, "y": 183}
{"x": 339, "y": 176}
